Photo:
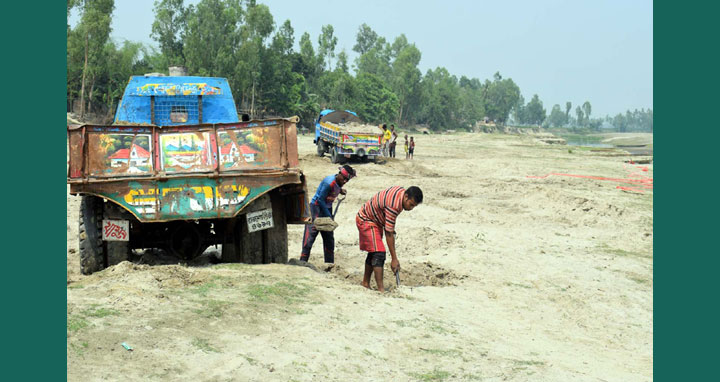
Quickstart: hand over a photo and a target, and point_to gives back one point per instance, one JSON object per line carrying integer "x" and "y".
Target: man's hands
{"x": 395, "y": 265}
{"x": 343, "y": 191}
{"x": 390, "y": 238}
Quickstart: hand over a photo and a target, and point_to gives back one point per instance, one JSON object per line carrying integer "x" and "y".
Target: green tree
{"x": 75, "y": 62}
{"x": 398, "y": 45}
{"x": 406, "y": 78}
{"x": 620, "y": 122}
{"x": 256, "y": 68}
{"x": 556, "y": 118}
{"x": 587, "y": 110}
{"x": 366, "y": 39}
{"x": 440, "y": 100}
{"x": 94, "y": 27}
{"x": 471, "y": 107}
{"x": 568, "y": 107}
{"x": 326, "y": 46}
{"x": 212, "y": 38}
{"x": 281, "y": 87}
{"x": 168, "y": 29}
{"x": 284, "y": 39}
{"x": 500, "y": 97}
{"x": 338, "y": 89}
{"x": 70, "y": 5}
{"x": 121, "y": 63}
{"x": 580, "y": 117}
{"x": 534, "y": 111}
{"x": 308, "y": 64}
{"x": 519, "y": 111}
{"x": 377, "y": 102}
{"x": 377, "y": 60}
{"x": 342, "y": 62}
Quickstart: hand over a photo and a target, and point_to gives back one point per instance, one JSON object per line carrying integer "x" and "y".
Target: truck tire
{"x": 231, "y": 242}
{"x": 334, "y": 157}
{"x": 277, "y": 237}
{"x": 117, "y": 252}
{"x": 92, "y": 257}
{"x": 260, "y": 247}
{"x": 320, "y": 147}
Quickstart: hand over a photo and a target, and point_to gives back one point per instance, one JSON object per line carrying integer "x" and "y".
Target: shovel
{"x": 338, "y": 206}
{"x": 397, "y": 278}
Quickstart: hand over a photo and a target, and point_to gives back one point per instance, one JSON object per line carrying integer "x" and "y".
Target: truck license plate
{"x": 260, "y": 220}
{"x": 115, "y": 230}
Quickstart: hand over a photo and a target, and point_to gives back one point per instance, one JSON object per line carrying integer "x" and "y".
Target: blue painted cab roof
{"x": 328, "y": 111}
{"x": 218, "y": 105}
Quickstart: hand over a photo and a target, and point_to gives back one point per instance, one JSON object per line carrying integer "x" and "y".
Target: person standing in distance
{"x": 387, "y": 135}
{"x": 393, "y": 139}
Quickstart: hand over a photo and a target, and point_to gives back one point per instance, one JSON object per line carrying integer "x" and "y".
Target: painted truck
{"x": 344, "y": 136}
{"x": 179, "y": 171}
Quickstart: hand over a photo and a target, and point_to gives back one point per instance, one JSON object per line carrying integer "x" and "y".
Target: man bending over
{"x": 378, "y": 216}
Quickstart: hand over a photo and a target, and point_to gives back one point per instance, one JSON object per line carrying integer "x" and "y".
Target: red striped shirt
{"x": 383, "y": 208}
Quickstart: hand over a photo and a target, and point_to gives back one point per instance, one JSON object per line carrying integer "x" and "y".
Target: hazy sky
{"x": 561, "y": 50}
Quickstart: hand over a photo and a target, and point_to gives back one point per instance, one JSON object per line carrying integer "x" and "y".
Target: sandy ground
{"x": 504, "y": 278}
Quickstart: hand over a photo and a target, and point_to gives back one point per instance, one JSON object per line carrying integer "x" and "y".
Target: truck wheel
{"x": 277, "y": 237}
{"x": 260, "y": 247}
{"x": 187, "y": 240}
{"x": 334, "y": 157}
{"x": 320, "y": 148}
{"x": 242, "y": 246}
{"x": 231, "y": 242}
{"x": 117, "y": 252}
{"x": 92, "y": 258}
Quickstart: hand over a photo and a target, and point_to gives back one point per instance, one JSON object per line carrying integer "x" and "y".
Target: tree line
{"x": 240, "y": 40}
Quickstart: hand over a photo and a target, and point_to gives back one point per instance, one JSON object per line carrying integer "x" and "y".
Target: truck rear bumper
{"x": 183, "y": 198}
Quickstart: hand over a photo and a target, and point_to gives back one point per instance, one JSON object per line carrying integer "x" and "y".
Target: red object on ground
{"x": 641, "y": 182}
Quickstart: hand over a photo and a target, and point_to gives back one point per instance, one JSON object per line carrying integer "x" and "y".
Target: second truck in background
{"x": 343, "y": 135}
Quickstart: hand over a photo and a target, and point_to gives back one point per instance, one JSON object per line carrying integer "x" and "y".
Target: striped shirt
{"x": 383, "y": 208}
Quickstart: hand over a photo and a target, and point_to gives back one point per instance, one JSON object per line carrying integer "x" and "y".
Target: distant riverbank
{"x": 633, "y": 143}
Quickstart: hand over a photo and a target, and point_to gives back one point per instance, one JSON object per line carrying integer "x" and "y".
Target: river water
{"x": 632, "y": 149}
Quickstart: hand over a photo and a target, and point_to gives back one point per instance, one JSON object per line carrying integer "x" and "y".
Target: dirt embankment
{"x": 504, "y": 278}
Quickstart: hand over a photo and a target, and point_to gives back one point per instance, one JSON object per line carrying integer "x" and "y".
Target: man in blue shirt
{"x": 320, "y": 206}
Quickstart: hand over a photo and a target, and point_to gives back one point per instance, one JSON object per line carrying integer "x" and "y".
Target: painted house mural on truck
{"x": 186, "y": 151}
{"x": 248, "y": 153}
{"x": 242, "y": 147}
{"x": 126, "y": 152}
{"x": 229, "y": 153}
{"x": 135, "y": 157}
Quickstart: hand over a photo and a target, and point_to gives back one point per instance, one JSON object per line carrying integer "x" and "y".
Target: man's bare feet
{"x": 366, "y": 285}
